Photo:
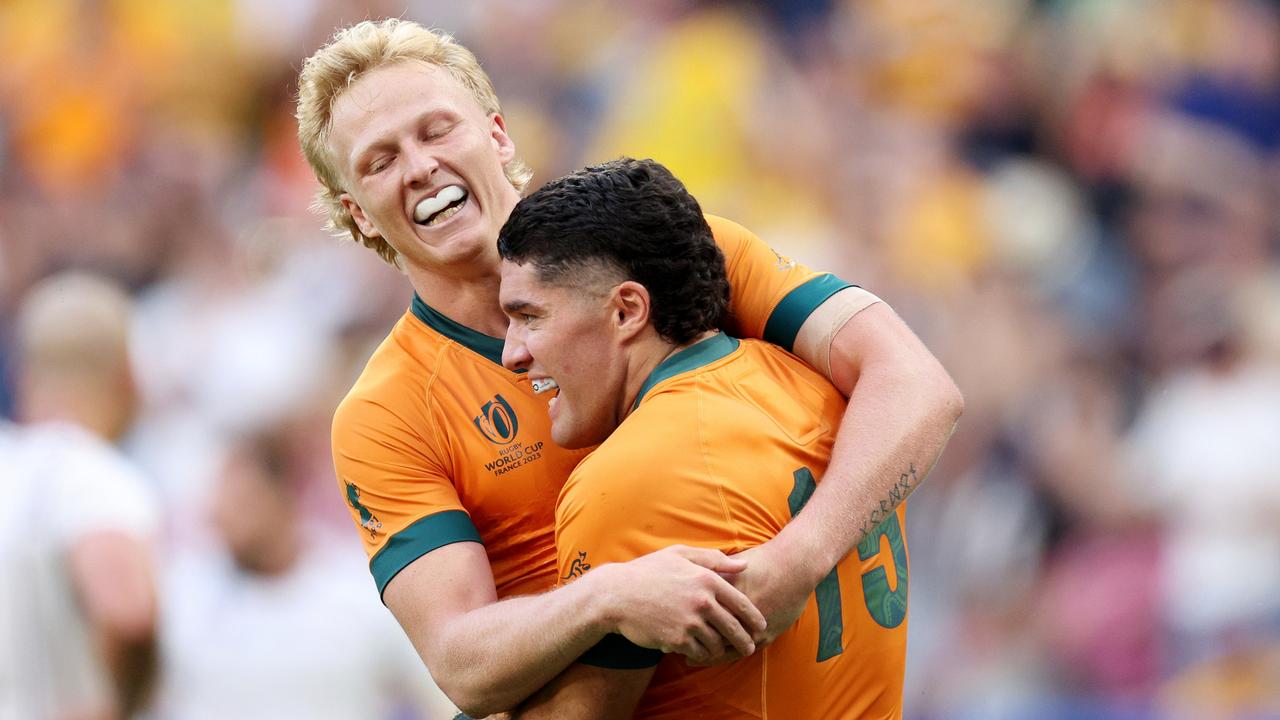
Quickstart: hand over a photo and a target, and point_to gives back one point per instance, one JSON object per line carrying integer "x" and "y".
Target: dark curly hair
{"x": 636, "y": 220}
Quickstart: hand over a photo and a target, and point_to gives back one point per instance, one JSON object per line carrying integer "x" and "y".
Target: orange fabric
{"x": 406, "y": 439}
{"x": 759, "y": 277}
{"x": 406, "y": 443}
{"x": 716, "y": 456}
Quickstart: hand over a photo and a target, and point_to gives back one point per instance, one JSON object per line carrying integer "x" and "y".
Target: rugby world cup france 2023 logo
{"x": 497, "y": 421}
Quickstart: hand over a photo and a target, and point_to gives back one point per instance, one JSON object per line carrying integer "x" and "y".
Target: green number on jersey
{"x": 830, "y": 614}
{"x": 887, "y": 607}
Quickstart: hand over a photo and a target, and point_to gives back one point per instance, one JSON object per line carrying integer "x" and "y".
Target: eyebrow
{"x": 515, "y": 307}
{"x": 361, "y": 153}
{"x": 365, "y": 153}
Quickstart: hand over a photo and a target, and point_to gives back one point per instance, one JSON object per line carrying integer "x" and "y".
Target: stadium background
{"x": 1072, "y": 202}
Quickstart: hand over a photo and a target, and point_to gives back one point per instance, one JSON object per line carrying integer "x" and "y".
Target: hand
{"x": 777, "y": 591}
{"x": 678, "y": 600}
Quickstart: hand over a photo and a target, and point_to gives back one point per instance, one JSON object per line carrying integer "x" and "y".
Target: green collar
{"x": 485, "y": 345}
{"x": 691, "y": 358}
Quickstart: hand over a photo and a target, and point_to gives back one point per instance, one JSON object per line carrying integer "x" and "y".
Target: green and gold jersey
{"x": 723, "y": 448}
{"x": 437, "y": 443}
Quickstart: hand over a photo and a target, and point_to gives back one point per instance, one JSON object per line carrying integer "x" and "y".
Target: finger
{"x": 710, "y": 559}
{"x": 729, "y": 656}
{"x": 729, "y": 629}
{"x": 696, "y": 651}
{"x": 709, "y": 638}
{"x": 747, "y": 615}
{"x": 691, "y": 649}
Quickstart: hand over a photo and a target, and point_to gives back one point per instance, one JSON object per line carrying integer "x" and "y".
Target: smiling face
{"x": 568, "y": 334}
{"x": 423, "y": 167}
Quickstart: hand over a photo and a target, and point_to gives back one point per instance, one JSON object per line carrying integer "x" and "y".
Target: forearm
{"x": 492, "y": 658}
{"x": 489, "y": 656}
{"x": 584, "y": 692}
{"x": 112, "y": 575}
{"x": 902, "y": 410}
{"x": 131, "y": 666}
{"x": 889, "y": 439}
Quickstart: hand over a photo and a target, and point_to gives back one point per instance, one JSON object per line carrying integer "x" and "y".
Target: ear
{"x": 357, "y": 213}
{"x": 502, "y": 142}
{"x": 629, "y": 307}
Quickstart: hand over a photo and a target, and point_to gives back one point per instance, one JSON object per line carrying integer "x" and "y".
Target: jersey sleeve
{"x": 770, "y": 295}
{"x": 396, "y": 488}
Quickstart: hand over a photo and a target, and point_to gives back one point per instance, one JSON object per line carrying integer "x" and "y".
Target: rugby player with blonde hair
{"x": 446, "y": 458}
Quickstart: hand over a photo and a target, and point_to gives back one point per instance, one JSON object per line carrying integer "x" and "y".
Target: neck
{"x": 471, "y": 300}
{"x": 650, "y": 352}
{"x": 89, "y": 405}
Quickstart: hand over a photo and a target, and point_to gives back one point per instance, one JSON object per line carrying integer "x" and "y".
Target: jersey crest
{"x": 497, "y": 421}
{"x": 368, "y": 520}
{"x": 578, "y": 566}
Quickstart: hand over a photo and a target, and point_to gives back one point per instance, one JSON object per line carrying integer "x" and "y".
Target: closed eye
{"x": 435, "y": 131}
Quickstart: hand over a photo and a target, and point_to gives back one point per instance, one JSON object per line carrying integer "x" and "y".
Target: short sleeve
{"x": 398, "y": 492}
{"x": 770, "y": 295}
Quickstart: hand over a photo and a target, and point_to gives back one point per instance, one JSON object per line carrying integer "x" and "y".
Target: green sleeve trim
{"x": 615, "y": 652}
{"x": 786, "y": 319}
{"x": 423, "y": 536}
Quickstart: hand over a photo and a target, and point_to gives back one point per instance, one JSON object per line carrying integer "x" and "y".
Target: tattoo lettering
{"x": 901, "y": 488}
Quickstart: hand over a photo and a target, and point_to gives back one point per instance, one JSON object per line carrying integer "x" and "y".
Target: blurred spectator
{"x": 1202, "y": 457}
{"x": 74, "y": 360}
{"x": 77, "y": 591}
{"x": 278, "y": 622}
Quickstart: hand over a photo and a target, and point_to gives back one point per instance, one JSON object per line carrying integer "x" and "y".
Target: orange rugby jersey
{"x": 723, "y": 448}
{"x": 437, "y": 443}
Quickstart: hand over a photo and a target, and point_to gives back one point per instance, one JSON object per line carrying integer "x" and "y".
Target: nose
{"x": 515, "y": 354}
{"x": 420, "y": 165}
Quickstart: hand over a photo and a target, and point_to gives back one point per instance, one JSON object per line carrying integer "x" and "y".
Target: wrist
{"x": 598, "y": 600}
{"x": 804, "y": 552}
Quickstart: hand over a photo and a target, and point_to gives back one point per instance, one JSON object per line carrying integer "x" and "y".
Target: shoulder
{"x": 394, "y": 388}
{"x": 624, "y": 462}
{"x": 729, "y": 235}
{"x": 87, "y": 483}
{"x": 411, "y": 356}
{"x": 665, "y": 424}
{"x": 73, "y": 452}
{"x": 747, "y": 394}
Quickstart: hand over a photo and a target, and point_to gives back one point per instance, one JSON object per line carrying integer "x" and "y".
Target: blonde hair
{"x": 75, "y": 323}
{"x": 353, "y": 52}
{"x": 73, "y": 344}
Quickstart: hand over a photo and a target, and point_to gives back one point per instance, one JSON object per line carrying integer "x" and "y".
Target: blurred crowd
{"x": 1073, "y": 202}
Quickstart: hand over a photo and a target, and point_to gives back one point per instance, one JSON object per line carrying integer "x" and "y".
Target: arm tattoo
{"x": 901, "y": 488}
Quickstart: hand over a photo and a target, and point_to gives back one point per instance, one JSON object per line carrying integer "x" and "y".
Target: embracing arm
{"x": 489, "y": 656}
{"x": 903, "y": 407}
{"x": 586, "y": 692}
